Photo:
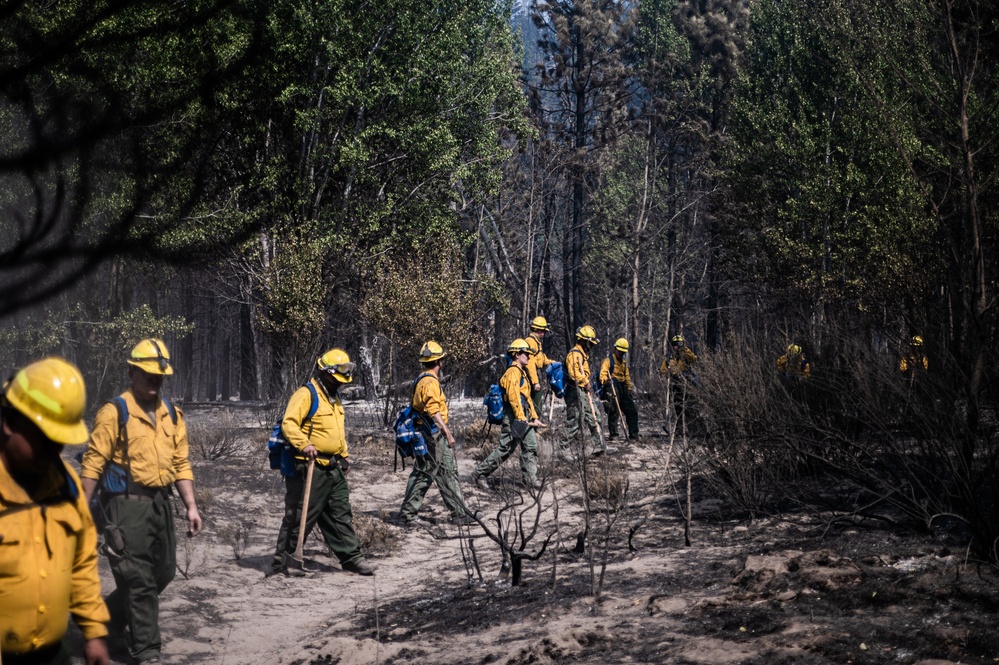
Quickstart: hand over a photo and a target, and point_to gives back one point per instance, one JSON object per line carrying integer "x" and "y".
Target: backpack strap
{"x": 171, "y": 409}
{"x": 314, "y": 403}
{"x": 416, "y": 383}
{"x": 122, "y": 408}
{"x": 313, "y": 406}
{"x": 523, "y": 400}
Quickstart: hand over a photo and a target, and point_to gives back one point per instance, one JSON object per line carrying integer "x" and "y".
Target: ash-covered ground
{"x": 606, "y": 574}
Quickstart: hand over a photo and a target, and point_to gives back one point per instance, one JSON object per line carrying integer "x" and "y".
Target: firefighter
{"x": 579, "y": 408}
{"x": 48, "y": 543}
{"x": 793, "y": 365}
{"x": 439, "y": 465}
{"x": 678, "y": 368}
{"x": 145, "y": 444}
{"x": 679, "y": 362}
{"x": 914, "y": 361}
{"x": 519, "y": 421}
{"x": 615, "y": 377}
{"x": 538, "y": 362}
{"x": 320, "y": 440}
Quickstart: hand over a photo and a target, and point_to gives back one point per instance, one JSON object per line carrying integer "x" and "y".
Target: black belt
{"x": 46, "y": 654}
{"x": 334, "y": 460}
{"x": 143, "y": 493}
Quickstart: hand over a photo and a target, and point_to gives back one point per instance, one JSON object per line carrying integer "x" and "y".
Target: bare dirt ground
{"x": 794, "y": 588}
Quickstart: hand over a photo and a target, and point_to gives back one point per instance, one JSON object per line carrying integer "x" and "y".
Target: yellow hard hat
{"x": 431, "y": 351}
{"x": 677, "y": 339}
{"x": 520, "y": 346}
{"x": 540, "y": 323}
{"x": 151, "y": 355}
{"x": 336, "y": 363}
{"x": 588, "y": 334}
{"x": 793, "y": 349}
{"x": 916, "y": 340}
{"x": 52, "y": 395}
{"x": 621, "y": 345}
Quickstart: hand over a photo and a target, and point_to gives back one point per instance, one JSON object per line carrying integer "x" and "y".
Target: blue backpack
{"x": 410, "y": 427}
{"x": 556, "y": 378}
{"x": 281, "y": 453}
{"x": 409, "y": 439}
{"x": 494, "y": 405}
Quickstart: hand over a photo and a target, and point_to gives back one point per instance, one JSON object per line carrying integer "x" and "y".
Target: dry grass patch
{"x": 375, "y": 535}
{"x": 373, "y": 444}
{"x": 237, "y": 537}
{"x": 609, "y": 487}
{"x": 482, "y": 451}
{"x": 217, "y": 440}
{"x": 478, "y": 433}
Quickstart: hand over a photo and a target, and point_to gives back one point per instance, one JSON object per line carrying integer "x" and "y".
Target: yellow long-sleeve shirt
{"x": 913, "y": 361}
{"x": 517, "y": 393}
{"x": 157, "y": 449}
{"x": 675, "y": 366}
{"x": 794, "y": 366}
{"x": 48, "y": 563}
{"x": 537, "y": 362}
{"x": 325, "y": 430}
{"x": 621, "y": 372}
{"x": 577, "y": 366}
{"x": 428, "y": 398}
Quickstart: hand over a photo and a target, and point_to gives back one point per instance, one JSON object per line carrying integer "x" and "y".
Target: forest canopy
{"x": 258, "y": 181}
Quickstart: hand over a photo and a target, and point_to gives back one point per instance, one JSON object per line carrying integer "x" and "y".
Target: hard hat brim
{"x": 63, "y": 434}
{"x": 430, "y": 359}
{"x": 151, "y": 367}
{"x": 67, "y": 434}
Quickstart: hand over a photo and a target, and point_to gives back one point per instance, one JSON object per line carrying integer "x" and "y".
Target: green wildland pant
{"x": 538, "y": 397}
{"x": 437, "y": 466}
{"x": 578, "y": 412}
{"x": 143, "y": 563}
{"x": 507, "y": 444}
{"x": 329, "y": 507}
{"x": 627, "y": 403}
